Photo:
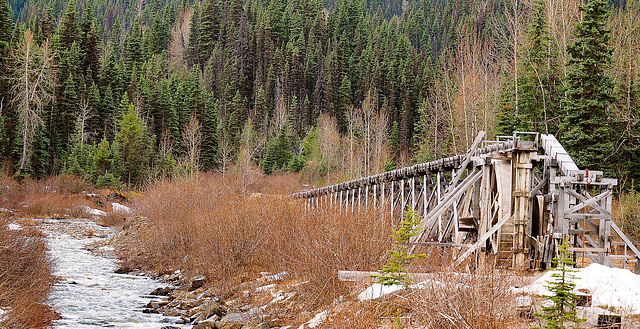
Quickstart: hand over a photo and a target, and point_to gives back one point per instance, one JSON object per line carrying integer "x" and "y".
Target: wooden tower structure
{"x": 512, "y": 200}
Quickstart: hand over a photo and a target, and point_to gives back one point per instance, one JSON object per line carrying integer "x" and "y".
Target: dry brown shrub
{"x": 221, "y": 229}
{"x": 26, "y": 278}
{"x": 56, "y": 195}
{"x": 455, "y": 300}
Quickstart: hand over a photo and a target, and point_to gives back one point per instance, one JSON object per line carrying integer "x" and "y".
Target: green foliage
{"x": 102, "y": 157}
{"x": 587, "y": 132}
{"x": 389, "y": 164}
{"x": 134, "y": 146}
{"x": 395, "y": 272}
{"x": 563, "y": 298}
{"x": 277, "y": 153}
{"x": 108, "y": 180}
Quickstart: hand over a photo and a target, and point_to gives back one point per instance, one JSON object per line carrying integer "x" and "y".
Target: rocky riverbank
{"x": 270, "y": 300}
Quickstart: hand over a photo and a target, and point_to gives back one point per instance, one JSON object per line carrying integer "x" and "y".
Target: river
{"x": 89, "y": 293}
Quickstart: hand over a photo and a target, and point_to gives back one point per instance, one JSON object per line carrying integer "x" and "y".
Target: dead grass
{"x": 626, "y": 213}
{"x": 56, "y": 196}
{"x": 222, "y": 229}
{"x": 26, "y": 277}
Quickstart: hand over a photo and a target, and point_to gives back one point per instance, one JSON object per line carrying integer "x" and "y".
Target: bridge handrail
{"x": 397, "y": 174}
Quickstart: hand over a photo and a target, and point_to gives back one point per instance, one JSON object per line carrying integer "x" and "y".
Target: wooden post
{"x": 522, "y": 184}
{"x": 413, "y": 193}
{"x": 375, "y": 196}
{"x": 439, "y": 187}
{"x": 402, "y": 203}
{"x": 391, "y": 198}
{"x": 366, "y": 197}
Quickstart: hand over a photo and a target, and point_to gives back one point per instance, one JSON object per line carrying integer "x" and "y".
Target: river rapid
{"x": 89, "y": 294}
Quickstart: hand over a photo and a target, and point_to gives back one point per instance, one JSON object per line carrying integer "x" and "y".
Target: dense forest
{"x": 126, "y": 92}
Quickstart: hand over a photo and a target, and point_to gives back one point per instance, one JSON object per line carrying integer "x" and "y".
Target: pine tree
{"x": 587, "y": 133}
{"x": 563, "y": 298}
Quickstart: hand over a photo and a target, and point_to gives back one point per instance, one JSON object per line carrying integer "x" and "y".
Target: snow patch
{"x": 3, "y": 312}
{"x": 14, "y": 227}
{"x": 267, "y": 287}
{"x": 275, "y": 277}
{"x": 316, "y": 321}
{"x": 377, "y": 290}
{"x": 613, "y": 287}
{"x": 119, "y": 208}
{"x": 92, "y": 211}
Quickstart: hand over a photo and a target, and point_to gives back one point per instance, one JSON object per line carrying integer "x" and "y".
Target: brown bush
{"x": 26, "y": 277}
{"x": 221, "y": 229}
{"x": 626, "y": 213}
{"x": 56, "y": 195}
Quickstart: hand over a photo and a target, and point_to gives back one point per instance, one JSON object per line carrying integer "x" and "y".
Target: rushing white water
{"x": 89, "y": 294}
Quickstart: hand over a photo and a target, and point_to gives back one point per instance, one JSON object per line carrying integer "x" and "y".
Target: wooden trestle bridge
{"x": 511, "y": 200}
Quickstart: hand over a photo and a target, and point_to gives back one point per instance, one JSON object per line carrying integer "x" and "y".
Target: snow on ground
{"x": 316, "y": 321}
{"x": 119, "y": 208}
{"x": 92, "y": 211}
{"x": 608, "y": 286}
{"x": 14, "y": 227}
{"x": 3, "y": 312}
{"x": 377, "y": 290}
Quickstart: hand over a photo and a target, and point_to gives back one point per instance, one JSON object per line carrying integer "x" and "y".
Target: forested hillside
{"x": 125, "y": 91}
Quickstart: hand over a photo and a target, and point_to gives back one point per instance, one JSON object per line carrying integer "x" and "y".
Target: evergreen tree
{"x": 134, "y": 146}
{"x": 587, "y": 133}
{"x": 564, "y": 299}
{"x": 277, "y": 153}
{"x": 209, "y": 153}
{"x": 395, "y": 271}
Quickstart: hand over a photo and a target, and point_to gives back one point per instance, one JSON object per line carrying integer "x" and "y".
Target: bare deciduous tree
{"x": 31, "y": 89}
{"x": 179, "y": 40}
{"x": 191, "y": 138}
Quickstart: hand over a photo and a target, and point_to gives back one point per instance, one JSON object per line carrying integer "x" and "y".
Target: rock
{"x": 173, "y": 312}
{"x": 191, "y": 303}
{"x": 170, "y": 327}
{"x": 161, "y": 291}
{"x": 196, "y": 318}
{"x": 209, "y": 323}
{"x": 197, "y": 282}
{"x": 233, "y": 321}
{"x": 184, "y": 295}
{"x": 263, "y": 325}
{"x": 208, "y": 308}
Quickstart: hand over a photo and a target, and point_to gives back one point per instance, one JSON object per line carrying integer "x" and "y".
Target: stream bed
{"x": 89, "y": 293}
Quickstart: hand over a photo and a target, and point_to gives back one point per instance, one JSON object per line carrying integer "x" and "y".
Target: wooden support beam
{"x": 455, "y": 194}
{"x": 588, "y": 202}
{"x": 481, "y": 240}
{"x": 624, "y": 238}
{"x": 463, "y": 166}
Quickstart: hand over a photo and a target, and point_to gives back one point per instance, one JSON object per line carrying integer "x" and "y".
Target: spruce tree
{"x": 587, "y": 133}
{"x": 564, "y": 299}
{"x": 395, "y": 271}
{"x": 134, "y": 146}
